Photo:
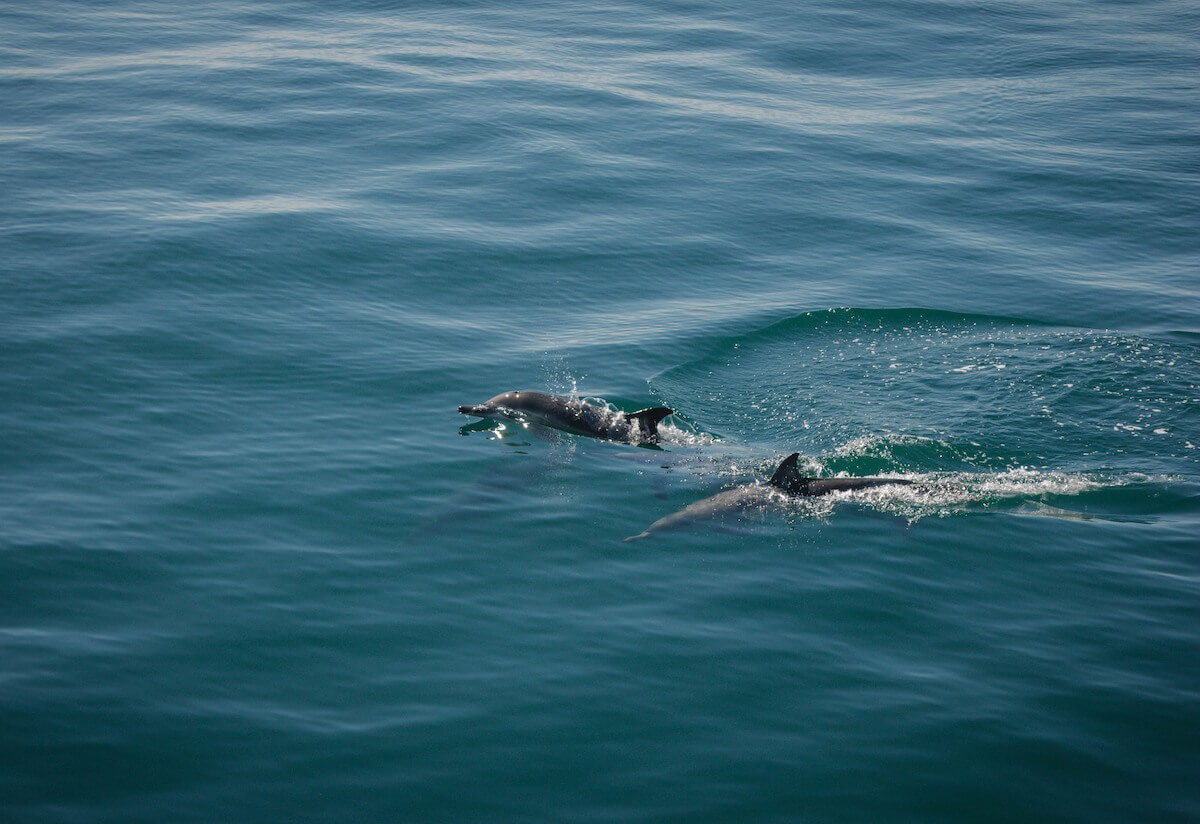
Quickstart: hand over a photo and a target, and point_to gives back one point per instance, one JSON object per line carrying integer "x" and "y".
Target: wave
{"x": 1006, "y": 392}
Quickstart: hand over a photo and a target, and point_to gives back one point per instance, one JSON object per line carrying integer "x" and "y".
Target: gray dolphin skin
{"x": 787, "y": 480}
{"x": 573, "y": 415}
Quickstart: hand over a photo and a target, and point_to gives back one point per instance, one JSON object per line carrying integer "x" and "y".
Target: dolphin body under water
{"x": 573, "y": 415}
{"x": 787, "y": 480}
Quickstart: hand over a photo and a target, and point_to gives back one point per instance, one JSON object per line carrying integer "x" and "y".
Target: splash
{"x": 944, "y": 494}
{"x": 671, "y": 433}
{"x": 559, "y": 377}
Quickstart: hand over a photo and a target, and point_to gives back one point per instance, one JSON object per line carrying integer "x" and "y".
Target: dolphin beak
{"x": 471, "y": 410}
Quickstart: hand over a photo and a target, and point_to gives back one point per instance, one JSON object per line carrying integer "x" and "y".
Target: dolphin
{"x": 787, "y": 481}
{"x": 573, "y": 415}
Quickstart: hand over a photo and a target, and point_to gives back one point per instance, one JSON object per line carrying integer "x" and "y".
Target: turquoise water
{"x": 255, "y": 567}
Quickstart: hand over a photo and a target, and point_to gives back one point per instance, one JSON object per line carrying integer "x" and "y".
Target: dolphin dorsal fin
{"x": 647, "y": 420}
{"x": 787, "y": 474}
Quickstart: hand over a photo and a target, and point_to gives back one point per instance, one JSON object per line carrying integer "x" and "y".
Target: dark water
{"x": 255, "y": 567}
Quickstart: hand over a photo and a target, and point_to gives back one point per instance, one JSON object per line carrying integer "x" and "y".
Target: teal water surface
{"x": 254, "y": 566}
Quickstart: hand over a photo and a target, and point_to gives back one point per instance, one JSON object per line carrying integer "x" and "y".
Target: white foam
{"x": 944, "y": 494}
{"x": 672, "y": 434}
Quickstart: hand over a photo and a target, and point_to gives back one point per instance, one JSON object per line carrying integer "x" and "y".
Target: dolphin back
{"x": 788, "y": 478}
{"x": 821, "y": 486}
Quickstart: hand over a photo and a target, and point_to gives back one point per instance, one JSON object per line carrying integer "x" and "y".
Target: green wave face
{"x": 918, "y": 390}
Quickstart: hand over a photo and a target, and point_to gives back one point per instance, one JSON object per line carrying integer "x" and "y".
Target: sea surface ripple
{"x": 255, "y": 567}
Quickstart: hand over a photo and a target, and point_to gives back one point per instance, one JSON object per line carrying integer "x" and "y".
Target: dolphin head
{"x": 493, "y": 406}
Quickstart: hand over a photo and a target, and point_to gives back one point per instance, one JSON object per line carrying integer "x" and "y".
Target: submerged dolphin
{"x": 573, "y": 415}
{"x": 787, "y": 480}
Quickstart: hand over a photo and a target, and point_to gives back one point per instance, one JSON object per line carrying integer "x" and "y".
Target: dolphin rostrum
{"x": 787, "y": 480}
{"x": 573, "y": 415}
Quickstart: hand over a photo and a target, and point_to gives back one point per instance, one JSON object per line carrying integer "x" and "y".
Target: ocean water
{"x": 254, "y": 566}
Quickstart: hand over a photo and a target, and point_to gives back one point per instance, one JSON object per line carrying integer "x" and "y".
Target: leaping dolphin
{"x": 573, "y": 415}
{"x": 787, "y": 480}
